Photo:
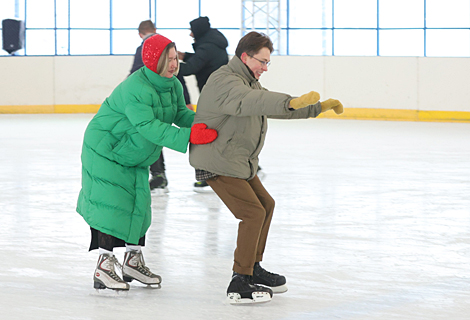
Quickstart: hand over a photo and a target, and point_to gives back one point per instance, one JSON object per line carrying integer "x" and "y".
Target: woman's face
{"x": 258, "y": 63}
{"x": 172, "y": 63}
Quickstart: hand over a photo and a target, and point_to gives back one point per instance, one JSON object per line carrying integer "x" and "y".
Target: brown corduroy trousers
{"x": 253, "y": 205}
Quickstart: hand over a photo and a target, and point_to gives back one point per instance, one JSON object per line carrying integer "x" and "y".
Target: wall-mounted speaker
{"x": 13, "y": 35}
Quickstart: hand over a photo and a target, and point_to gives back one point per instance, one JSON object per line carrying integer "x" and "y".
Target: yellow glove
{"x": 332, "y": 104}
{"x": 305, "y": 100}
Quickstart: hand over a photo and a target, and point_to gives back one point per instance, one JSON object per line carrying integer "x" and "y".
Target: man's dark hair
{"x": 252, "y": 43}
{"x": 146, "y": 26}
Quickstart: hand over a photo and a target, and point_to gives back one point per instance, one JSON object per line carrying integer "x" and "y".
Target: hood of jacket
{"x": 200, "y": 26}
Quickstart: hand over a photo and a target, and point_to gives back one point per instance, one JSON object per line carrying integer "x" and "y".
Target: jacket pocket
{"x": 132, "y": 150}
{"x": 227, "y": 149}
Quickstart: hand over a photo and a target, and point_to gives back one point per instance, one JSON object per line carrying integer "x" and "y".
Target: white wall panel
{"x": 444, "y": 84}
{"x": 294, "y": 75}
{"x": 89, "y": 80}
{"x": 26, "y": 81}
{"x": 437, "y": 84}
{"x": 372, "y": 82}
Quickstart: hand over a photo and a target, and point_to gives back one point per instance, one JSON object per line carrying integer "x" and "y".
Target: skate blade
{"x": 203, "y": 190}
{"x": 278, "y": 289}
{"x": 159, "y": 191}
{"x": 146, "y": 286}
{"x": 110, "y": 293}
{"x": 100, "y": 286}
{"x": 258, "y": 297}
{"x": 129, "y": 279}
{"x": 153, "y": 286}
{"x": 261, "y": 175}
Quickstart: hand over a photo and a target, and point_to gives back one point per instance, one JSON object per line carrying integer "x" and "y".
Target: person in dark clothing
{"x": 146, "y": 29}
{"x": 210, "y": 53}
{"x": 158, "y": 182}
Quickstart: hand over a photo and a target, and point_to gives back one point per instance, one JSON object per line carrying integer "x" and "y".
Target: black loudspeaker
{"x": 13, "y": 35}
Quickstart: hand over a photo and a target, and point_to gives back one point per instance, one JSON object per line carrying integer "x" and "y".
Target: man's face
{"x": 258, "y": 63}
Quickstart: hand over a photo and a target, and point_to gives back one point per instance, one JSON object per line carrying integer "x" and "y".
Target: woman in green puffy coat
{"x": 145, "y": 113}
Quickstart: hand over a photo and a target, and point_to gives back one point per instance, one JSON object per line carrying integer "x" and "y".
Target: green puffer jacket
{"x": 124, "y": 138}
{"x": 234, "y": 103}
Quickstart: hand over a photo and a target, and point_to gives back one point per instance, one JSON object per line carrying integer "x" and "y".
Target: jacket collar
{"x": 147, "y": 36}
{"x": 162, "y": 83}
{"x": 237, "y": 65}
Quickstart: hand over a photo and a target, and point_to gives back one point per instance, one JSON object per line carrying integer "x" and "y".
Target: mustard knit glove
{"x": 305, "y": 100}
{"x": 332, "y": 104}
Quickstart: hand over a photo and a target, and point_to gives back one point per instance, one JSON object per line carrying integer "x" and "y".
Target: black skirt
{"x": 108, "y": 242}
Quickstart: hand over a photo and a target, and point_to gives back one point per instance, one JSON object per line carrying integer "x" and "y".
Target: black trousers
{"x": 158, "y": 166}
{"x": 109, "y": 242}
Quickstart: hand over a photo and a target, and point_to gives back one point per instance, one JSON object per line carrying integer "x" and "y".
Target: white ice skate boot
{"x": 134, "y": 268}
{"x": 105, "y": 276}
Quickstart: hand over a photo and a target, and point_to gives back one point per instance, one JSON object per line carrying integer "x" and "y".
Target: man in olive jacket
{"x": 235, "y": 104}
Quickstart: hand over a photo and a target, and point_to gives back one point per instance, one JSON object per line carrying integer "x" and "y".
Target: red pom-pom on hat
{"x": 152, "y": 50}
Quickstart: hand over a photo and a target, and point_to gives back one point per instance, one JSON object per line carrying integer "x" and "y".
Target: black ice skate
{"x": 134, "y": 268}
{"x": 202, "y": 187}
{"x": 260, "y": 173}
{"x": 275, "y": 281}
{"x": 158, "y": 183}
{"x": 105, "y": 276}
{"x": 241, "y": 290}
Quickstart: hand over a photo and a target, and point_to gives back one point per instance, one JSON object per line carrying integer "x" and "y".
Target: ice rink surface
{"x": 372, "y": 221}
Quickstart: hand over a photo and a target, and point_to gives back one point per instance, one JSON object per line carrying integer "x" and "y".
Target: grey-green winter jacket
{"x": 234, "y": 103}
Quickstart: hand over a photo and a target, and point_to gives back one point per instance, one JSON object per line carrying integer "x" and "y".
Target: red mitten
{"x": 201, "y": 135}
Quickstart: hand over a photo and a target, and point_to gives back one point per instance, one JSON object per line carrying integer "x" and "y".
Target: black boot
{"x": 202, "y": 187}
{"x": 159, "y": 182}
{"x": 260, "y": 173}
{"x": 273, "y": 280}
{"x": 242, "y": 290}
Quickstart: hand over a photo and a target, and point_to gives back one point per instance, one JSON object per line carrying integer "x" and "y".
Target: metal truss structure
{"x": 263, "y": 16}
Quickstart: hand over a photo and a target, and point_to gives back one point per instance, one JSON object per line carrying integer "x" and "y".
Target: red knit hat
{"x": 152, "y": 50}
